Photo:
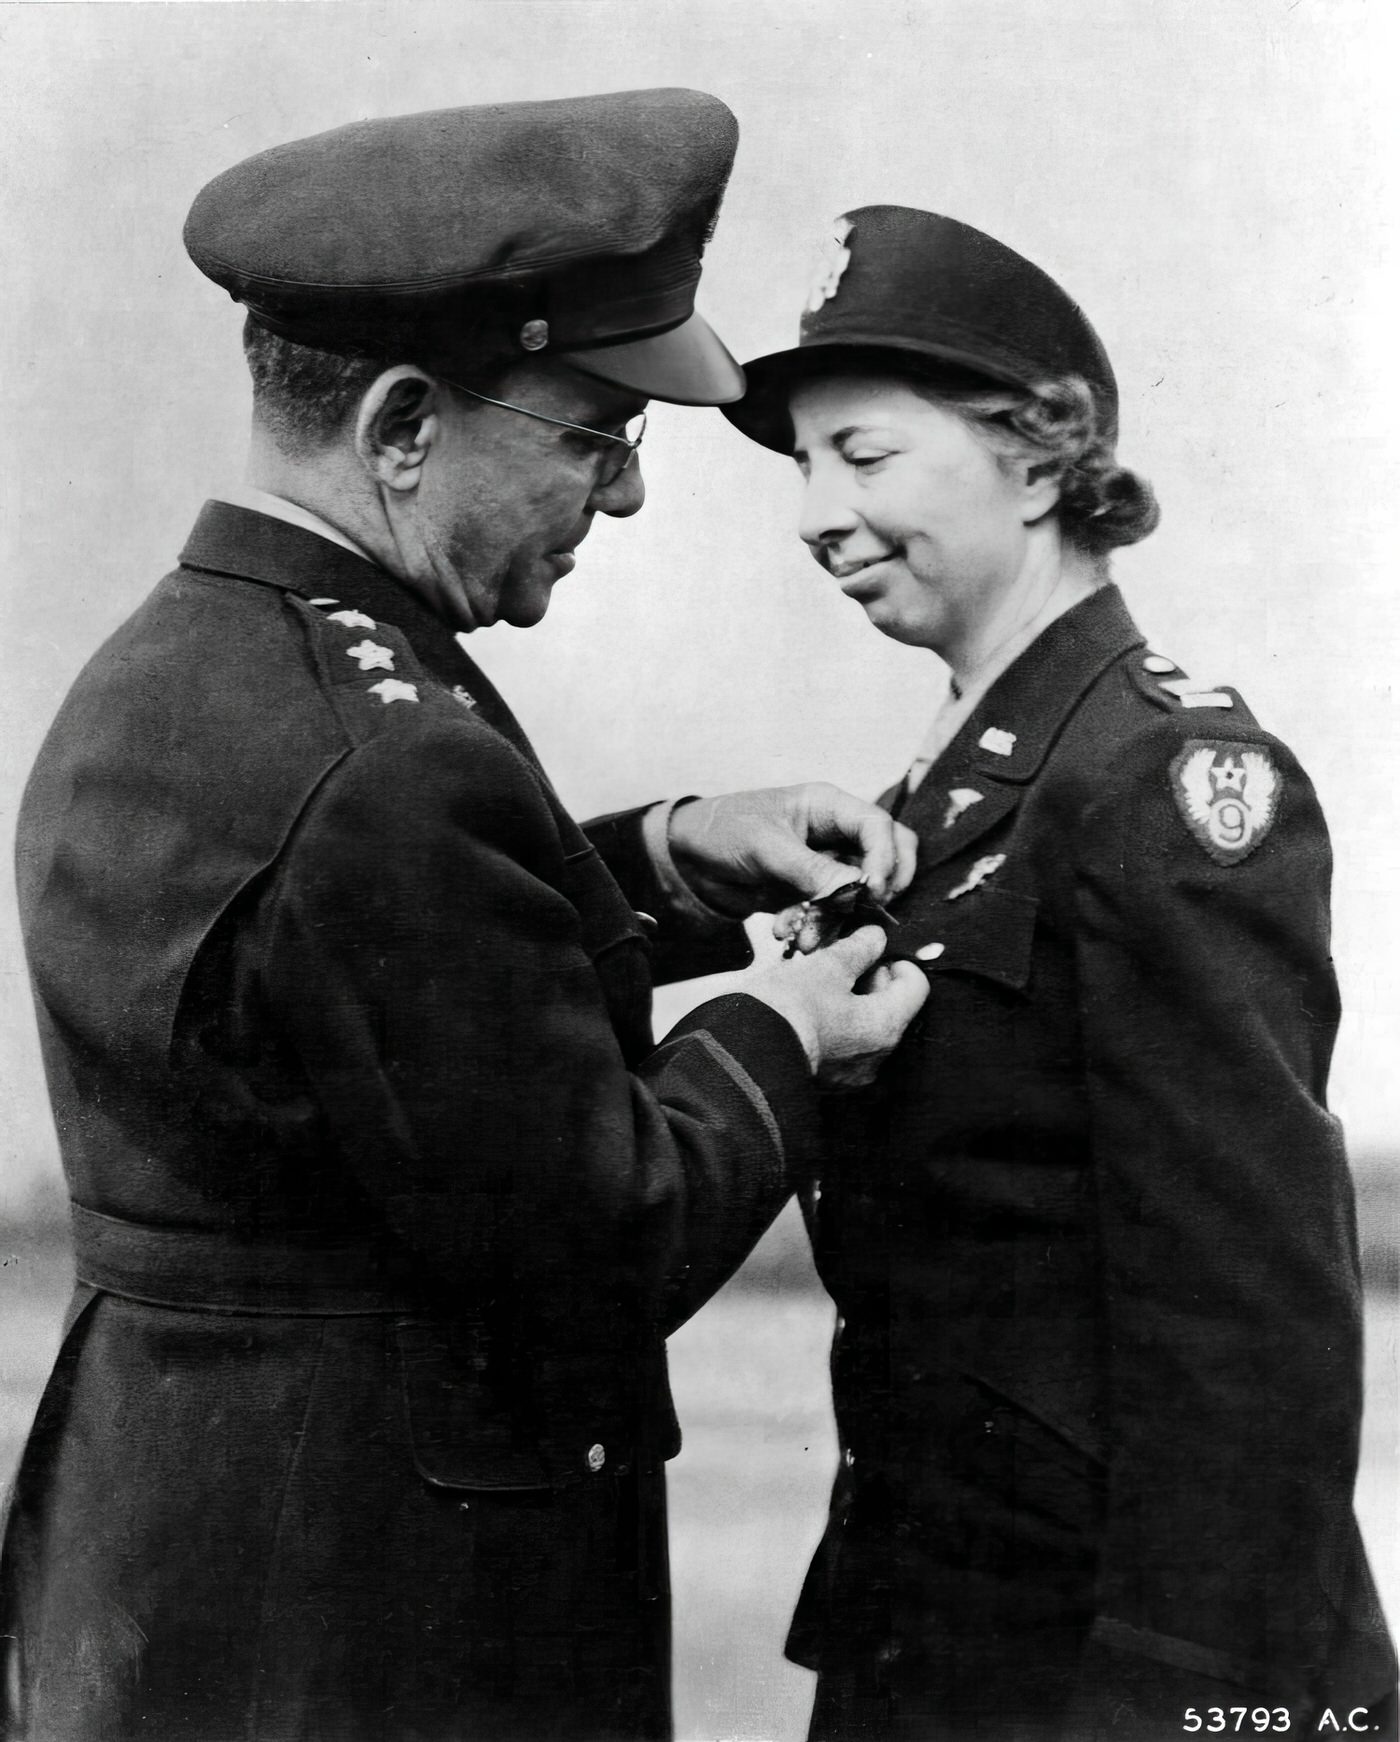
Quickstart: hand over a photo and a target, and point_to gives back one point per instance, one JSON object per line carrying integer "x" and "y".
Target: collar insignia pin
{"x": 394, "y": 689}
{"x": 960, "y": 798}
{"x": 371, "y": 656}
{"x": 323, "y": 602}
{"x": 980, "y": 872}
{"x": 999, "y": 742}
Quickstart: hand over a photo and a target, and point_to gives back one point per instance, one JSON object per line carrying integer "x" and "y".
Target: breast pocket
{"x": 988, "y": 933}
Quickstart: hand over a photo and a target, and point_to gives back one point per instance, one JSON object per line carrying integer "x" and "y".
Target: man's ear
{"x": 396, "y": 426}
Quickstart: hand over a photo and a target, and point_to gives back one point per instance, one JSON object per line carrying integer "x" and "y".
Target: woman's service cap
{"x": 903, "y": 288}
{"x": 571, "y": 228}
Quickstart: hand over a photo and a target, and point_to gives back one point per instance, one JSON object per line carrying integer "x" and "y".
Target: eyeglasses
{"x": 614, "y": 463}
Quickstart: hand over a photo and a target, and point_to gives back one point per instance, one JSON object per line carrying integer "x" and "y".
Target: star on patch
{"x": 371, "y": 656}
{"x": 1228, "y": 795}
{"x": 394, "y": 689}
{"x": 352, "y": 619}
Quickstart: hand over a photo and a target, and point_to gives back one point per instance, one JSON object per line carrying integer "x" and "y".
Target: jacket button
{"x": 647, "y": 921}
{"x": 597, "y": 1457}
{"x": 930, "y": 952}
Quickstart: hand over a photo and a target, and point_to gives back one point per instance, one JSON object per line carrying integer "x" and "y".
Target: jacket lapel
{"x": 979, "y": 778}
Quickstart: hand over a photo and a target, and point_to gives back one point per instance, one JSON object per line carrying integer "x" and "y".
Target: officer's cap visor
{"x": 763, "y": 413}
{"x": 689, "y": 365}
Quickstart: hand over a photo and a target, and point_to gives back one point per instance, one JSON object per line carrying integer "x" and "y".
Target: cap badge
{"x": 836, "y": 257}
{"x": 394, "y": 689}
{"x": 370, "y": 656}
{"x": 960, "y": 798}
{"x": 534, "y": 335}
{"x": 980, "y": 872}
{"x": 1227, "y": 794}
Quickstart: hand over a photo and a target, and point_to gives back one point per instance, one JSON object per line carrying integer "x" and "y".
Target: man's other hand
{"x": 849, "y": 1009}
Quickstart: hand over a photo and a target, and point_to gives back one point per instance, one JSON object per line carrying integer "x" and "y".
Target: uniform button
{"x": 597, "y": 1457}
{"x": 930, "y": 952}
{"x": 647, "y": 921}
{"x": 848, "y": 1457}
{"x": 1159, "y": 663}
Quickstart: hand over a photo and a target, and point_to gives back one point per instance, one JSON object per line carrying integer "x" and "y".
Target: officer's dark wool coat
{"x": 386, "y": 1201}
{"x": 1091, "y": 1241}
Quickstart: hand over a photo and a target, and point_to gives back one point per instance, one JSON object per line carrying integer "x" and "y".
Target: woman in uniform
{"x": 1091, "y": 1236}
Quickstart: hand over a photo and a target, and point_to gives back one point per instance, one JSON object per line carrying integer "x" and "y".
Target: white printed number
{"x": 1218, "y": 1718}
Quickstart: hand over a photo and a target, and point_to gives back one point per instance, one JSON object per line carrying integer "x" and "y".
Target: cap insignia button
{"x": 836, "y": 257}
{"x": 394, "y": 689}
{"x": 534, "y": 335}
{"x": 371, "y": 656}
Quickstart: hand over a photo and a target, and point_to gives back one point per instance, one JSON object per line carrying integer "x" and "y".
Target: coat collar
{"x": 1009, "y": 733}
{"x": 249, "y": 546}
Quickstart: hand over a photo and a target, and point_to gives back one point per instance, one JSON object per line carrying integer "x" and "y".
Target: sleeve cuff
{"x": 770, "y": 1056}
{"x": 684, "y": 902}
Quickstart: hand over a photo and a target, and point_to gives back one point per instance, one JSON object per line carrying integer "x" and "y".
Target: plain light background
{"x": 1212, "y": 179}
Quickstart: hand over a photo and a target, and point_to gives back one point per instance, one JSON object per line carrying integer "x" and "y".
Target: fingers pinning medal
{"x": 835, "y": 913}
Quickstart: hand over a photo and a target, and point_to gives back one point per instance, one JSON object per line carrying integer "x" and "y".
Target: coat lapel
{"x": 979, "y": 778}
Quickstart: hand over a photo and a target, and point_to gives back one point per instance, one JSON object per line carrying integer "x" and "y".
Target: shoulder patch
{"x": 1228, "y": 795}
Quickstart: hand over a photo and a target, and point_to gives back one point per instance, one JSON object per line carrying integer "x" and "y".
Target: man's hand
{"x": 764, "y": 849}
{"x": 849, "y": 1009}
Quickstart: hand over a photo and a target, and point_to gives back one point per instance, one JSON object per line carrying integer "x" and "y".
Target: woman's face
{"x": 909, "y": 510}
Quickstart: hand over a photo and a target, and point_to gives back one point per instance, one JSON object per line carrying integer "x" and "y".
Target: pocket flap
{"x": 988, "y": 931}
{"x": 464, "y": 1434}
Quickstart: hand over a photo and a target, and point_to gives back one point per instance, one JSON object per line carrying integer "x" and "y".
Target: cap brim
{"x": 688, "y": 365}
{"x": 762, "y": 414}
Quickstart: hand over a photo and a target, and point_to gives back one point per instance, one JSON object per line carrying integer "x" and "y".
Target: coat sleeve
{"x": 439, "y": 956}
{"x": 1228, "y": 1241}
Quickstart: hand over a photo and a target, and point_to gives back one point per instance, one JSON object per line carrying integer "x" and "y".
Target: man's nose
{"x": 826, "y": 516}
{"x": 622, "y": 495}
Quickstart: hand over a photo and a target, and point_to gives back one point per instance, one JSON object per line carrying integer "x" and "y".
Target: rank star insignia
{"x": 350, "y": 619}
{"x": 1228, "y": 795}
{"x": 836, "y": 257}
{"x": 394, "y": 689}
{"x": 371, "y": 656}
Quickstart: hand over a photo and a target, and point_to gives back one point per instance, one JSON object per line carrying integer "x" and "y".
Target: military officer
{"x": 383, "y": 1199}
{"x": 1091, "y": 1235}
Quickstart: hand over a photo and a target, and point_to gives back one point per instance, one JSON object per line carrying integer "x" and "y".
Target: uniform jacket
{"x": 384, "y": 1200}
{"x": 1091, "y": 1237}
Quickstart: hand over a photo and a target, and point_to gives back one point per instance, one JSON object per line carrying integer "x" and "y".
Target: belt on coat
{"x": 213, "y": 1270}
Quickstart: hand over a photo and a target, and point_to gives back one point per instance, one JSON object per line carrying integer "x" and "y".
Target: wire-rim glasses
{"x": 613, "y": 465}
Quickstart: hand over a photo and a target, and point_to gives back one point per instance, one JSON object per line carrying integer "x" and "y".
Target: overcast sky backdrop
{"x": 1213, "y": 182}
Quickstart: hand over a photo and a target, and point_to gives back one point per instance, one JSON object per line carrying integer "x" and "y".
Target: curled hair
{"x": 1058, "y": 423}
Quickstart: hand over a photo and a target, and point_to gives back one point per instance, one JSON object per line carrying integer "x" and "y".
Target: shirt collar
{"x": 281, "y": 508}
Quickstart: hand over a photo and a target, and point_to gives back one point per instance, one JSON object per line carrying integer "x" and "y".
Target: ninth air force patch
{"x": 1228, "y": 794}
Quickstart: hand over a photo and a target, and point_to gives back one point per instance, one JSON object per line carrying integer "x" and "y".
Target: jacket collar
{"x": 249, "y": 546}
{"x": 1009, "y": 733}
